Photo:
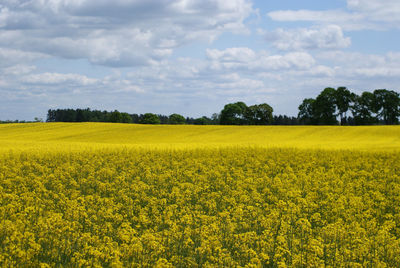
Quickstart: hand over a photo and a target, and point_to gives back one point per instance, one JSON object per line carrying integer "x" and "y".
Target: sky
{"x": 191, "y": 56}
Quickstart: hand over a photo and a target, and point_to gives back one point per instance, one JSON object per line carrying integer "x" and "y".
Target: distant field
{"x": 83, "y": 135}
{"x": 123, "y": 195}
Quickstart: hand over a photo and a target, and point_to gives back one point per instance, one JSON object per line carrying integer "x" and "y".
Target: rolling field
{"x": 118, "y": 195}
{"x": 101, "y": 135}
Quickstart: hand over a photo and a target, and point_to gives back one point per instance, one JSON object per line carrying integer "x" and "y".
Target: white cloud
{"x": 116, "y": 33}
{"x": 57, "y": 79}
{"x": 311, "y": 15}
{"x": 377, "y": 72}
{"x": 346, "y": 20}
{"x": 361, "y": 14}
{"x": 10, "y": 57}
{"x": 359, "y": 66}
{"x": 323, "y": 37}
{"x": 19, "y": 69}
{"x": 245, "y": 58}
{"x": 235, "y": 54}
{"x": 377, "y": 10}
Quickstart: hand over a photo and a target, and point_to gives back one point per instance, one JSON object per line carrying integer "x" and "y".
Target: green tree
{"x": 306, "y": 112}
{"x": 324, "y": 107}
{"x": 343, "y": 99}
{"x": 204, "y": 120}
{"x": 260, "y": 114}
{"x": 364, "y": 108}
{"x": 149, "y": 118}
{"x": 126, "y": 118}
{"x": 176, "y": 119}
{"x": 387, "y": 104}
{"x": 115, "y": 117}
{"x": 233, "y": 114}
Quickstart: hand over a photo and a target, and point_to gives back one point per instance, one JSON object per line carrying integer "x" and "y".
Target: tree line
{"x": 233, "y": 114}
{"x": 88, "y": 115}
{"x": 331, "y": 107}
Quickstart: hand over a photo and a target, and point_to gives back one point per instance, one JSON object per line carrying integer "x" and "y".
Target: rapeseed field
{"x": 118, "y": 195}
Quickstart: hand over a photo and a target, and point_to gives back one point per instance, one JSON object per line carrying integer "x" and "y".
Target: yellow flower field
{"x": 100, "y": 135}
{"x": 119, "y": 195}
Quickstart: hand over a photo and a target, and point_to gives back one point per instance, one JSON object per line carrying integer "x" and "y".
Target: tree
{"x": 387, "y": 104}
{"x": 149, "y": 118}
{"x": 204, "y": 120}
{"x": 83, "y": 115}
{"x": 115, "y": 117}
{"x": 215, "y": 119}
{"x": 324, "y": 107}
{"x": 51, "y": 115}
{"x": 363, "y": 109}
{"x": 260, "y": 114}
{"x": 343, "y": 99}
{"x": 306, "y": 111}
{"x": 233, "y": 114}
{"x": 176, "y": 119}
{"x": 126, "y": 118}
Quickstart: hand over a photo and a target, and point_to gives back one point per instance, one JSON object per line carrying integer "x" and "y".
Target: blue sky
{"x": 190, "y": 56}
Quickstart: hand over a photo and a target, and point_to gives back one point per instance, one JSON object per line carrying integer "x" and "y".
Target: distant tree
{"x": 115, "y": 117}
{"x": 233, "y": 114}
{"x": 51, "y": 115}
{"x": 306, "y": 112}
{"x": 176, "y": 119}
{"x": 204, "y": 120}
{"x": 364, "y": 108}
{"x": 65, "y": 115}
{"x": 343, "y": 100}
{"x": 285, "y": 120}
{"x": 150, "y": 118}
{"x": 83, "y": 115}
{"x": 215, "y": 118}
{"x": 135, "y": 118}
{"x": 126, "y": 118}
{"x": 324, "y": 107}
{"x": 163, "y": 119}
{"x": 260, "y": 114}
{"x": 387, "y": 105}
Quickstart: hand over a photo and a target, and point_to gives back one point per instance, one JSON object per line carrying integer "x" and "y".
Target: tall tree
{"x": 115, "y": 117}
{"x": 176, "y": 119}
{"x": 126, "y": 118}
{"x": 324, "y": 107}
{"x": 150, "y": 118}
{"x": 387, "y": 105}
{"x": 343, "y": 100}
{"x": 260, "y": 114}
{"x": 364, "y": 108}
{"x": 233, "y": 114}
{"x": 306, "y": 112}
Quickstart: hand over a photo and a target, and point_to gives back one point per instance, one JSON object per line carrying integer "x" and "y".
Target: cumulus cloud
{"x": 116, "y": 33}
{"x": 245, "y": 58}
{"x": 359, "y": 66}
{"x": 388, "y": 10}
{"x": 10, "y": 57}
{"x": 323, "y": 37}
{"x": 235, "y": 54}
{"x": 58, "y": 78}
{"x": 19, "y": 69}
{"x": 360, "y": 15}
{"x": 312, "y": 15}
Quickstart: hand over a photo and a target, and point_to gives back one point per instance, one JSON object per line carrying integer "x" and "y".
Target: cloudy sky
{"x": 191, "y": 56}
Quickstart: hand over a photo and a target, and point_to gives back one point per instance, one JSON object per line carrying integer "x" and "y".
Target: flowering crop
{"x": 118, "y": 205}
